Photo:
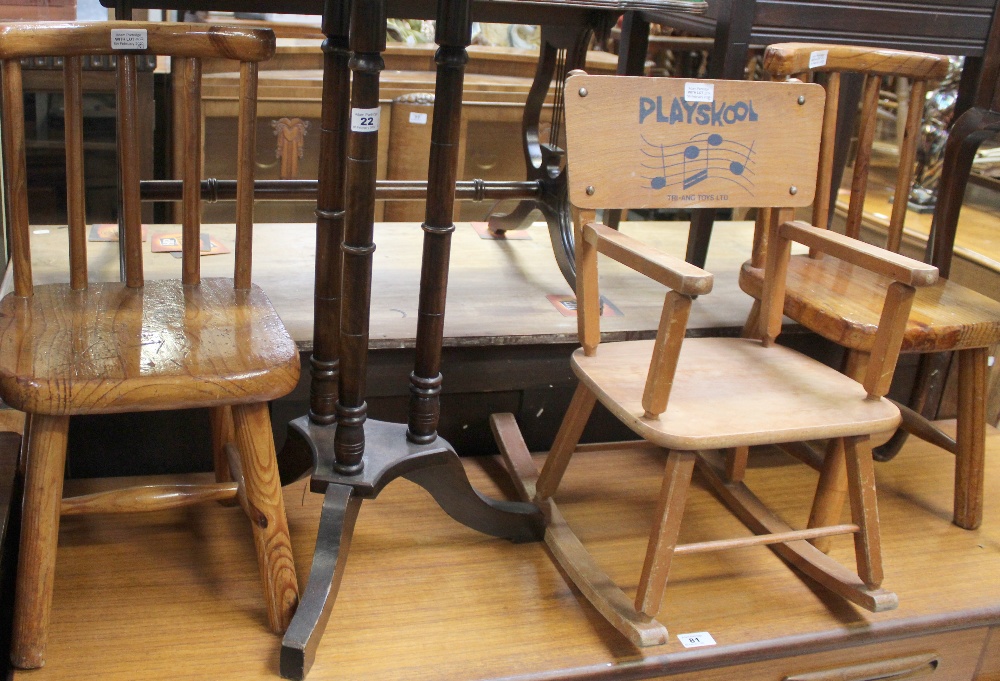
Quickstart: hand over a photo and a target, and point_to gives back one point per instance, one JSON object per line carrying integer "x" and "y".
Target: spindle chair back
{"x": 91, "y": 347}
{"x": 839, "y": 300}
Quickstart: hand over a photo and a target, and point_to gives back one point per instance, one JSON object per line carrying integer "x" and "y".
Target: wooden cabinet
{"x": 952, "y": 656}
{"x": 496, "y": 85}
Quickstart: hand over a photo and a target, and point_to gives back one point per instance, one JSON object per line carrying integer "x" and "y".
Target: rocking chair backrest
{"x": 675, "y": 143}
{"x": 189, "y": 44}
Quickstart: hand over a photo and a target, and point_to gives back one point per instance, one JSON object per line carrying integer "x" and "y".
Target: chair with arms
{"x": 834, "y": 298}
{"x": 109, "y": 347}
{"x": 666, "y": 142}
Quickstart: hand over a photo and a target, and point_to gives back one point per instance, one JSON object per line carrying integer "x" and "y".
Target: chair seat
{"x": 730, "y": 392}
{"x": 111, "y": 348}
{"x": 842, "y": 302}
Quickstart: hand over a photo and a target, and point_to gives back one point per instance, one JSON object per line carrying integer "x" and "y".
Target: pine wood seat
{"x": 793, "y": 397}
{"x": 835, "y": 299}
{"x": 99, "y": 347}
{"x": 135, "y": 349}
{"x": 645, "y": 143}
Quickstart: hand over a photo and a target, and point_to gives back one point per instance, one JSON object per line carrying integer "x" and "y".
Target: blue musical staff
{"x": 705, "y": 156}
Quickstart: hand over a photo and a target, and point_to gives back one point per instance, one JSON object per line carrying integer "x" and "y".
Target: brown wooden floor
{"x": 174, "y": 595}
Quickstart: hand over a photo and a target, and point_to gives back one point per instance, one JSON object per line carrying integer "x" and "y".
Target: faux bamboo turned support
{"x": 325, "y": 360}
{"x": 367, "y": 39}
{"x": 453, "y": 35}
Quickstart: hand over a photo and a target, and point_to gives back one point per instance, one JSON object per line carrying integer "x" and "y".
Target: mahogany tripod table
{"x": 351, "y": 457}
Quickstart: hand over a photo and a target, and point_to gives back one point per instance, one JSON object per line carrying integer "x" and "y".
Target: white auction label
{"x": 418, "y": 118}
{"x": 129, "y": 39}
{"x": 365, "y": 120}
{"x": 699, "y": 92}
{"x": 818, "y": 58}
{"x": 697, "y": 640}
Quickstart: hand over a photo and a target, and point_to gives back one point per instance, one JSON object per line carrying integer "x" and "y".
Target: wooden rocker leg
{"x": 799, "y": 553}
{"x": 970, "y": 438}
{"x": 595, "y": 585}
{"x": 831, "y": 492}
{"x": 266, "y": 508}
{"x": 666, "y": 528}
{"x": 832, "y": 489}
{"x": 43, "y": 485}
{"x": 864, "y": 509}
{"x": 565, "y": 442}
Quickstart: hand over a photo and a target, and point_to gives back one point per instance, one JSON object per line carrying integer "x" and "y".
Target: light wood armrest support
{"x": 898, "y": 267}
{"x": 788, "y": 59}
{"x": 682, "y": 277}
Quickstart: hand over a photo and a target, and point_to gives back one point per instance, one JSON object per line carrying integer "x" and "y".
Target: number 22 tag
{"x": 365, "y": 120}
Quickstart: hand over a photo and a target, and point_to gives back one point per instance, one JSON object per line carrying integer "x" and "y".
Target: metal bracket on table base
{"x": 389, "y": 455}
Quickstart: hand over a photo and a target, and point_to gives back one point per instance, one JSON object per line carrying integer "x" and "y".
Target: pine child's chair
{"x": 657, "y": 142}
{"x": 835, "y": 298}
{"x": 100, "y": 347}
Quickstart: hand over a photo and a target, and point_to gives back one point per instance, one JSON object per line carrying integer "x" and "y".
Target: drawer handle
{"x": 898, "y": 669}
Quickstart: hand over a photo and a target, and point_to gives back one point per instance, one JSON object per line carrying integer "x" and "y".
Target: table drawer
{"x": 950, "y": 656}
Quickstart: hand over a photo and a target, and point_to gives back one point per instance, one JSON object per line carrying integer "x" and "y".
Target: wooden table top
{"x": 497, "y": 288}
{"x": 175, "y": 594}
{"x": 502, "y": 11}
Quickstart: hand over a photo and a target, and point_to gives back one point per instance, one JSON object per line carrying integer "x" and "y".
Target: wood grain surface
{"x": 675, "y": 149}
{"x": 729, "y": 392}
{"x": 843, "y": 302}
{"x": 19, "y": 40}
{"x": 789, "y": 59}
{"x": 111, "y": 348}
{"x": 520, "y": 272}
{"x": 425, "y": 598}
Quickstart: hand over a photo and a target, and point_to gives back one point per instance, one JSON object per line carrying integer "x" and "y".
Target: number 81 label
{"x": 365, "y": 120}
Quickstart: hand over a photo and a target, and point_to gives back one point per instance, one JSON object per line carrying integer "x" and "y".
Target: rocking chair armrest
{"x": 893, "y": 265}
{"x": 673, "y": 272}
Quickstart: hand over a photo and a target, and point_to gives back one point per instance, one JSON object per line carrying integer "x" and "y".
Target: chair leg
{"x": 43, "y": 486}
{"x": 970, "y": 438}
{"x": 666, "y": 528}
{"x": 864, "y": 509}
{"x": 832, "y": 489}
{"x": 221, "y": 419}
{"x": 736, "y": 463}
{"x": 565, "y": 443}
{"x": 266, "y": 506}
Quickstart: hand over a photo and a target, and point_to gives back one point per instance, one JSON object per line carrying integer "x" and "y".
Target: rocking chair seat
{"x": 835, "y": 299}
{"x": 111, "y": 348}
{"x": 782, "y": 396}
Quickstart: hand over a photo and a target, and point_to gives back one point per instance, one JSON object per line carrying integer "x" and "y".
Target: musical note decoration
{"x": 704, "y": 156}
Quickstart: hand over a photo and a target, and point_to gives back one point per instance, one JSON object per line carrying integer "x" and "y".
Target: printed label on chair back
{"x": 691, "y": 143}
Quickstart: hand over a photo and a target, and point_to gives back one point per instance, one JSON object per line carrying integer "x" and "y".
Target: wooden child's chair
{"x": 837, "y": 299}
{"x": 642, "y": 142}
{"x": 101, "y": 347}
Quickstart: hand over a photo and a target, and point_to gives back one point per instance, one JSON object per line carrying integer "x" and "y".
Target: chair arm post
{"x": 778, "y": 252}
{"x": 666, "y": 350}
{"x": 888, "y": 339}
{"x": 588, "y": 300}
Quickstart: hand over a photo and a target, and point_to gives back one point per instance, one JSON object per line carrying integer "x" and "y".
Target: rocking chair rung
{"x": 147, "y": 498}
{"x": 763, "y": 539}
